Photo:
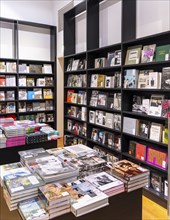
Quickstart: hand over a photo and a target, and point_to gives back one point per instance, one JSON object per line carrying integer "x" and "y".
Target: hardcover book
{"x": 2, "y": 67}
{"x": 75, "y": 65}
{"x": 92, "y": 116}
{"x": 156, "y": 182}
{"x": 133, "y": 55}
{"x": 143, "y": 127}
{"x": 35, "y": 68}
{"x": 162, "y": 53}
{"x": 129, "y": 125}
{"x": 156, "y": 132}
{"x": 148, "y": 53}
{"x": 130, "y": 78}
{"x": 47, "y": 68}
{"x": 10, "y": 95}
{"x": 140, "y": 151}
{"x": 155, "y": 108}
{"x": 132, "y": 148}
{"x": 165, "y": 81}
{"x": 111, "y": 59}
{"x": 11, "y": 67}
{"x": 30, "y": 82}
{"x": 100, "y": 62}
{"x": 143, "y": 79}
{"x": 22, "y": 81}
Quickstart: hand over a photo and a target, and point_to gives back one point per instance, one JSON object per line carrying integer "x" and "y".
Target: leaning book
{"x": 32, "y": 209}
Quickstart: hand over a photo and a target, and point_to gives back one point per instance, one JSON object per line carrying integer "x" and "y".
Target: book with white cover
{"x": 80, "y": 150}
{"x": 32, "y": 209}
{"x": 104, "y": 181}
{"x": 88, "y": 198}
{"x": 129, "y": 125}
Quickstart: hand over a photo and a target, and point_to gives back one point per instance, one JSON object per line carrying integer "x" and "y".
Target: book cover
{"x": 109, "y": 120}
{"x": 102, "y": 99}
{"x": 37, "y": 93}
{"x": 143, "y": 127}
{"x": 156, "y": 132}
{"x": 11, "y": 67}
{"x": 22, "y": 81}
{"x": 2, "y": 67}
{"x": 69, "y": 65}
{"x": 148, "y": 53}
{"x": 132, "y": 148}
{"x": 101, "y": 81}
{"x": 22, "y": 94}
{"x": 10, "y": 95}
{"x": 75, "y": 65}
{"x": 118, "y": 57}
{"x": 154, "y": 80}
{"x": 48, "y": 81}
{"x": 140, "y": 151}
{"x": 22, "y": 68}
{"x": 40, "y": 82}
{"x": 143, "y": 79}
{"x": 2, "y": 80}
{"x": 69, "y": 95}
{"x": 22, "y": 106}
{"x": 82, "y": 64}
{"x": 165, "y": 81}
{"x": 92, "y": 116}
{"x": 155, "y": 108}
{"x": 111, "y": 59}
{"x": 130, "y": 78}
{"x": 35, "y": 68}
{"x": 162, "y": 53}
{"x": 100, "y": 62}
{"x": 129, "y": 125}
{"x": 10, "y": 108}
{"x": 48, "y": 93}
{"x": 94, "y": 134}
{"x": 157, "y": 157}
{"x": 94, "y": 80}
{"x": 2, "y": 95}
{"x": 133, "y": 55}
{"x": 30, "y": 82}
{"x": 47, "y": 68}
{"x": 30, "y": 95}
{"x": 156, "y": 182}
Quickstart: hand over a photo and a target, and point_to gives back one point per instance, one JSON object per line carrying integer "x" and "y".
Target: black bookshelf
{"x": 128, "y": 38}
{"x": 9, "y": 155}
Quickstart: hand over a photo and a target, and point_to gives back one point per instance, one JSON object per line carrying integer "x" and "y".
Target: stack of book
{"x": 15, "y": 135}
{"x": 133, "y": 175}
{"x": 50, "y": 168}
{"x": 32, "y": 209}
{"x": 20, "y": 188}
{"x": 36, "y": 137}
{"x": 55, "y": 198}
{"x": 106, "y": 183}
{"x": 86, "y": 197}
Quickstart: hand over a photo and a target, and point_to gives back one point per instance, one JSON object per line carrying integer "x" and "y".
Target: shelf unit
{"x": 27, "y": 43}
{"x": 93, "y": 50}
{"x": 18, "y": 31}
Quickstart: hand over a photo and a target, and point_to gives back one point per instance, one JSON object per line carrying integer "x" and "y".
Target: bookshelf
{"x": 93, "y": 51}
{"x": 28, "y": 56}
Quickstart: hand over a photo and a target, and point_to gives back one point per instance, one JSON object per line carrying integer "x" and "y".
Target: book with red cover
{"x": 140, "y": 151}
{"x": 69, "y": 95}
{"x": 158, "y": 158}
{"x": 2, "y": 80}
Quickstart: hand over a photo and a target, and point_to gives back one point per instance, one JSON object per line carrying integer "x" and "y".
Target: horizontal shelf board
{"x": 8, "y": 100}
{"x": 70, "y": 132}
{"x": 144, "y": 116}
{"x": 154, "y": 36}
{"x": 104, "y": 68}
{"x": 80, "y": 88}
{"x": 104, "y": 146}
{"x": 160, "y": 195}
{"x": 144, "y": 162}
{"x": 112, "y": 89}
{"x": 104, "y": 128}
{"x": 34, "y": 112}
{"x": 104, "y": 109}
{"x": 7, "y": 73}
{"x": 70, "y": 103}
{"x": 106, "y": 48}
{"x": 37, "y": 74}
{"x": 34, "y": 100}
{"x": 73, "y": 118}
{"x": 76, "y": 55}
{"x": 150, "y": 64}
{"x": 36, "y": 61}
{"x": 12, "y": 113}
{"x": 146, "y": 140}
{"x": 8, "y": 59}
{"x": 75, "y": 71}
{"x": 8, "y": 87}
{"x": 146, "y": 90}
{"x": 33, "y": 87}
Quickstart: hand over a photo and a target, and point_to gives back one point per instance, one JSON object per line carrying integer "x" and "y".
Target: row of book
{"x": 105, "y": 81}
{"x": 111, "y": 140}
{"x": 146, "y": 129}
{"x": 70, "y": 139}
{"x": 76, "y": 64}
{"x": 105, "y": 119}
{"x": 35, "y": 94}
{"x": 7, "y": 80}
{"x": 79, "y": 97}
{"x": 105, "y": 100}
{"x": 35, "y": 106}
{"x": 77, "y": 128}
{"x": 77, "y": 112}
{"x": 152, "y": 155}
{"x": 147, "y": 53}
{"x": 8, "y": 107}
{"x": 147, "y": 79}
{"x": 77, "y": 80}
{"x": 7, "y": 95}
{"x": 157, "y": 105}
{"x": 30, "y": 81}
{"x": 11, "y": 67}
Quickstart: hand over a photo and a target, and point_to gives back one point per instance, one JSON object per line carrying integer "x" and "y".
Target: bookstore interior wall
{"x": 87, "y": 94}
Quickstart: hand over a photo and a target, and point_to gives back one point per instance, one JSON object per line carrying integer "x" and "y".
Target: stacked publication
{"x": 20, "y": 188}
{"x": 106, "y": 183}
{"x": 86, "y": 197}
{"x": 51, "y": 169}
{"x": 2, "y": 140}
{"x": 133, "y": 175}
{"x": 15, "y": 135}
{"x": 32, "y": 209}
{"x": 55, "y": 198}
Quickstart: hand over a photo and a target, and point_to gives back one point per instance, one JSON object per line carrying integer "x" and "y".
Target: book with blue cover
{"x": 131, "y": 78}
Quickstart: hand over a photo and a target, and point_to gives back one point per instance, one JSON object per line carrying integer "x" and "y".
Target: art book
{"x": 133, "y": 55}
{"x": 148, "y": 53}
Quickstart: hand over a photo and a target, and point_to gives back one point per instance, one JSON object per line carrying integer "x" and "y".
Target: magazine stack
{"x": 106, "y": 183}
{"x": 133, "y": 175}
{"x": 20, "y": 188}
{"x": 56, "y": 199}
{"x": 32, "y": 209}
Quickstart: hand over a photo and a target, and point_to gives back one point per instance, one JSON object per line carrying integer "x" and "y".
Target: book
{"x": 94, "y": 80}
{"x": 22, "y": 81}
{"x": 10, "y": 80}
{"x": 155, "y": 108}
{"x": 148, "y": 53}
{"x": 82, "y": 64}
{"x": 35, "y": 68}
{"x": 157, "y": 157}
{"x": 140, "y": 151}
{"x": 69, "y": 65}
{"x": 2, "y": 80}
{"x": 40, "y": 82}
{"x": 2, "y": 95}
{"x": 143, "y": 127}
{"x": 75, "y": 65}
{"x": 111, "y": 59}
{"x": 165, "y": 81}
{"x": 118, "y": 58}
{"x": 11, "y": 67}
{"x": 129, "y": 125}
{"x": 109, "y": 120}
{"x": 156, "y": 132}
{"x": 10, "y": 95}
{"x": 100, "y": 62}
{"x": 10, "y": 108}
{"x": 47, "y": 68}
{"x": 37, "y": 93}
{"x": 100, "y": 81}
{"x": 2, "y": 67}
{"x": 49, "y": 105}
{"x": 32, "y": 209}
{"x": 130, "y": 78}
{"x": 22, "y": 107}
{"x": 132, "y": 148}
{"x": 92, "y": 116}
{"x": 48, "y": 81}
{"x": 30, "y": 95}
{"x": 154, "y": 80}
{"x": 22, "y": 68}
{"x": 128, "y": 170}
{"x": 133, "y": 55}
{"x": 162, "y": 53}
{"x": 74, "y": 98}
{"x": 22, "y": 94}
{"x": 143, "y": 79}
{"x": 69, "y": 95}
{"x": 47, "y": 93}
{"x": 156, "y": 182}
{"x": 30, "y": 82}
{"x": 102, "y": 99}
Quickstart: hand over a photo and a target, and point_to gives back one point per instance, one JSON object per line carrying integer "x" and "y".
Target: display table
{"x": 10, "y": 154}
{"x": 124, "y": 206}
